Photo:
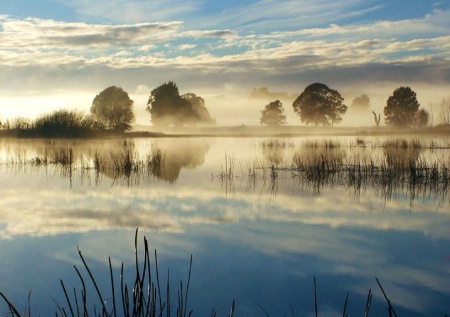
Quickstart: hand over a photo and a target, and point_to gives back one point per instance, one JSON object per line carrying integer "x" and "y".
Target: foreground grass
{"x": 146, "y": 297}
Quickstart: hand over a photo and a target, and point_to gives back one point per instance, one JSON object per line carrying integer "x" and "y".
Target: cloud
{"x": 46, "y": 41}
{"x": 265, "y": 15}
{"x": 125, "y": 11}
{"x": 165, "y": 210}
{"x": 38, "y": 55}
{"x": 211, "y": 33}
{"x": 35, "y": 34}
{"x": 186, "y": 47}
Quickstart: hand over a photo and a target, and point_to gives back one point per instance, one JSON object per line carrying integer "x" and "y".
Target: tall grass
{"x": 328, "y": 163}
{"x": 146, "y": 296}
{"x": 121, "y": 163}
{"x": 60, "y": 123}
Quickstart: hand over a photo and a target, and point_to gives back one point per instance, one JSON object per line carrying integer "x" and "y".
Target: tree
{"x": 422, "y": 118}
{"x": 113, "y": 109}
{"x": 320, "y": 105}
{"x": 444, "y": 115}
{"x": 264, "y": 93}
{"x": 272, "y": 114}
{"x": 401, "y": 108}
{"x": 376, "y": 118}
{"x": 168, "y": 108}
{"x": 198, "y": 105}
{"x": 361, "y": 103}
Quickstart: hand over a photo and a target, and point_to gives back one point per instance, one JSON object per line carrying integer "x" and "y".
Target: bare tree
{"x": 377, "y": 119}
{"x": 444, "y": 115}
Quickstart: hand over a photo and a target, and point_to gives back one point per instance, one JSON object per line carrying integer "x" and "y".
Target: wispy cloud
{"x": 126, "y": 11}
{"x": 266, "y": 15}
{"x": 62, "y": 42}
{"x": 33, "y": 33}
{"x": 230, "y": 43}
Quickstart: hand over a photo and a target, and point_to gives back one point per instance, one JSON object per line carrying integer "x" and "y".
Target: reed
{"x": 327, "y": 144}
{"x": 276, "y": 144}
{"x": 145, "y": 296}
{"x": 226, "y": 173}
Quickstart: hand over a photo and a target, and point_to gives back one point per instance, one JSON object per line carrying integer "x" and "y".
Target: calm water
{"x": 258, "y": 235}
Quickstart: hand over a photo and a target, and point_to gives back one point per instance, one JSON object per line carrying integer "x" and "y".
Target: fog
{"x": 229, "y": 103}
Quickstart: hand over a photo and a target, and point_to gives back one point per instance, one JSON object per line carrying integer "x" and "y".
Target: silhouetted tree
{"x": 376, "y": 118}
{"x": 63, "y": 123}
{"x": 264, "y": 93}
{"x": 113, "y": 109}
{"x": 361, "y": 103}
{"x": 422, "y": 118}
{"x": 198, "y": 105}
{"x": 401, "y": 108}
{"x": 167, "y": 107}
{"x": 320, "y": 105}
{"x": 272, "y": 114}
{"x": 444, "y": 114}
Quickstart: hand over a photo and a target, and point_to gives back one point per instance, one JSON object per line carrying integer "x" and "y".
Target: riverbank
{"x": 284, "y": 131}
{"x": 142, "y": 131}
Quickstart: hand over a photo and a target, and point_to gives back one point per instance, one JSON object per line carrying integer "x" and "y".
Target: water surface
{"x": 258, "y": 229}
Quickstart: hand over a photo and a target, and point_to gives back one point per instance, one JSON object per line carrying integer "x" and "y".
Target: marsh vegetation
{"x": 288, "y": 200}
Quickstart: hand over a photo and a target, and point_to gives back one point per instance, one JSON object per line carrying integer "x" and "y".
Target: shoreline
{"x": 141, "y": 131}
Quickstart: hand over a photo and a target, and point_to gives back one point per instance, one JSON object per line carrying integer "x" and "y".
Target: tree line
{"x": 320, "y": 105}
{"x": 317, "y": 105}
{"x": 112, "y": 111}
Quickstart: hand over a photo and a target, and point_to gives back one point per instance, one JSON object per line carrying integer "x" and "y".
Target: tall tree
{"x": 444, "y": 115}
{"x": 423, "y": 117}
{"x": 272, "y": 114}
{"x": 168, "y": 108}
{"x": 320, "y": 105}
{"x": 198, "y": 105}
{"x": 401, "y": 108}
{"x": 361, "y": 103}
{"x": 113, "y": 109}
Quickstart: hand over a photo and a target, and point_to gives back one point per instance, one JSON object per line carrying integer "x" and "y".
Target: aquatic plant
{"x": 145, "y": 297}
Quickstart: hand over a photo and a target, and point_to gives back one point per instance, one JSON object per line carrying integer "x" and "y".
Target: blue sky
{"x": 51, "y": 47}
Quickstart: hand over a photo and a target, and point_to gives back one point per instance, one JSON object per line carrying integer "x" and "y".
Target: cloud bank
{"x": 228, "y": 47}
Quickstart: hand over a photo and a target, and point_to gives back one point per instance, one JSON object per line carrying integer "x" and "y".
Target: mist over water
{"x": 230, "y": 131}
{"x": 257, "y": 216}
{"x": 228, "y": 103}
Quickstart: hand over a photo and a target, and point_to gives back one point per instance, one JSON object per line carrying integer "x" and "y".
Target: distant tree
{"x": 113, "y": 109}
{"x": 320, "y": 105}
{"x": 444, "y": 114}
{"x": 361, "y": 103}
{"x": 376, "y": 118}
{"x": 401, "y": 108}
{"x": 167, "y": 107}
{"x": 272, "y": 114}
{"x": 198, "y": 105}
{"x": 264, "y": 93}
{"x": 422, "y": 118}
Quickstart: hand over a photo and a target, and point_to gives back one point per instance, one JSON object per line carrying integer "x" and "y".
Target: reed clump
{"x": 122, "y": 163}
{"x": 277, "y": 144}
{"x": 146, "y": 296}
{"x": 327, "y": 144}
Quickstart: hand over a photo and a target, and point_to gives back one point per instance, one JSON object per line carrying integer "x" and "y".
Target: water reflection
{"x": 248, "y": 244}
{"x": 401, "y": 153}
{"x": 119, "y": 160}
{"x": 273, "y": 151}
{"x": 181, "y": 154}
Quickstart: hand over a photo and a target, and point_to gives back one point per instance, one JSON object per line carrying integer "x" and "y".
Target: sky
{"x": 60, "y": 53}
